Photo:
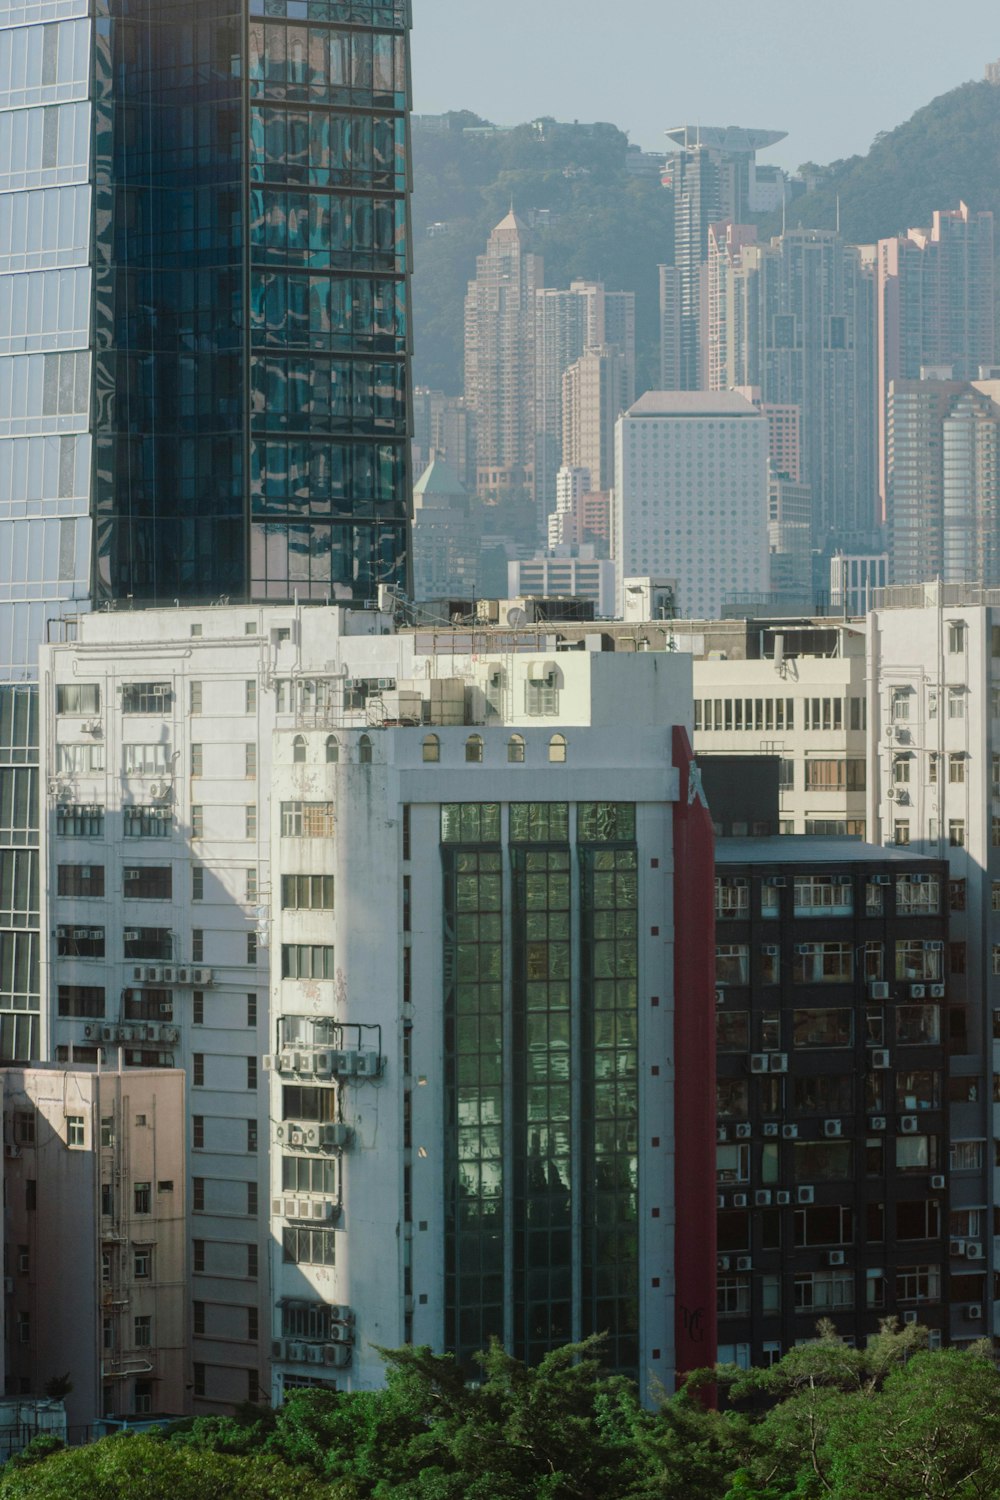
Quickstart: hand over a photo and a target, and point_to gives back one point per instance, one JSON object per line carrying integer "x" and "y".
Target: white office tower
{"x": 370, "y": 892}
{"x": 691, "y": 499}
{"x": 934, "y": 784}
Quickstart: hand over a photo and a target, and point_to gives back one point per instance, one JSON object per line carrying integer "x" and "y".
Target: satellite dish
{"x": 517, "y": 616}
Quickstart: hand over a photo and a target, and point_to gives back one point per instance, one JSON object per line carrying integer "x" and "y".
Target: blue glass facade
{"x": 250, "y": 299}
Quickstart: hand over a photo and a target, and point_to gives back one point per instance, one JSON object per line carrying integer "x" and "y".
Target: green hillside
{"x": 947, "y": 151}
{"x": 605, "y": 225}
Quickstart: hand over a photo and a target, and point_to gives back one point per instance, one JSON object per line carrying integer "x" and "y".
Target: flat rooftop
{"x": 694, "y": 404}
{"x": 804, "y": 849}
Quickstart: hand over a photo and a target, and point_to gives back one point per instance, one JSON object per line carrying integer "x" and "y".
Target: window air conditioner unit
{"x": 937, "y": 991}
{"x": 805, "y": 1195}
{"x": 267, "y": 1063}
{"x": 340, "y": 1313}
{"x": 720, "y": 997}
{"x": 832, "y": 1128}
{"x": 973, "y": 1312}
{"x": 336, "y": 1134}
{"x": 910, "y": 1316}
{"x": 182, "y": 976}
{"x": 277, "y": 1348}
{"x": 154, "y": 976}
{"x": 744, "y": 1263}
{"x": 937, "y": 1182}
{"x": 744, "y": 1132}
{"x": 770, "y": 950}
{"x": 771, "y": 1128}
{"x": 759, "y": 1062}
{"x": 779, "y": 1062}
{"x": 325, "y": 1209}
{"x": 369, "y": 1064}
{"x": 323, "y": 1064}
{"x": 295, "y": 1351}
{"x": 138, "y": 975}
{"x": 166, "y": 1007}
{"x": 722, "y": 1264}
{"x": 739, "y": 1200}
{"x": 917, "y": 991}
{"x": 315, "y": 1355}
{"x": 974, "y": 1250}
{"x": 108, "y": 1033}
{"x": 934, "y": 1338}
{"x": 789, "y": 1132}
{"x": 878, "y": 989}
{"x": 762, "y": 1198}
{"x": 721, "y": 1133}
{"x": 778, "y": 881}
{"x": 171, "y": 1034}
{"x": 835, "y": 1258}
{"x": 880, "y": 1058}
{"x": 877, "y": 1122}
{"x": 201, "y": 976}
{"x": 338, "y": 1355}
{"x": 782, "y": 1198}
{"x": 956, "y": 1248}
{"x": 285, "y": 1062}
{"x": 167, "y": 975}
{"x": 934, "y": 946}
{"x": 720, "y": 1200}
{"x": 802, "y": 949}
{"x": 880, "y": 880}
{"x": 909, "y": 1125}
{"x": 277, "y": 1209}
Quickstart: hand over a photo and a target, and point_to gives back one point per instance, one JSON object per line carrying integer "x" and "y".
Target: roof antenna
{"x": 838, "y": 213}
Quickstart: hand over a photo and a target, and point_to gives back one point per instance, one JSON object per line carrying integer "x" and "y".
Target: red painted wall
{"x": 694, "y": 1066}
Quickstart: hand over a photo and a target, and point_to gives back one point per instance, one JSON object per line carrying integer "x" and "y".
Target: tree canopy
{"x": 827, "y": 1422}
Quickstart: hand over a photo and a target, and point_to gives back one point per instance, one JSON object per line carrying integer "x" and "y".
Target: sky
{"x": 830, "y": 74}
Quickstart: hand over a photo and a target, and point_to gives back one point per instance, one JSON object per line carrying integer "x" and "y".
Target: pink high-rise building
{"x": 935, "y": 306}
{"x": 784, "y": 424}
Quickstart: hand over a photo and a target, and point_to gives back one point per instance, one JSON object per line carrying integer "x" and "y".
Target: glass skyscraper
{"x": 204, "y": 332}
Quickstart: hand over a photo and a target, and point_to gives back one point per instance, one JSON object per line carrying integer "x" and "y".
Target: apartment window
{"x": 142, "y": 1197}
{"x": 200, "y": 1388}
{"x": 995, "y": 832}
{"x": 306, "y": 961}
{"x": 108, "y": 1130}
{"x": 956, "y": 895}
{"x": 251, "y": 1199}
{"x": 732, "y": 963}
{"x": 146, "y": 697}
{"x": 932, "y": 769}
{"x": 31, "y": 1194}
{"x": 251, "y": 1073}
{"x": 733, "y": 1296}
{"x": 918, "y": 961}
{"x": 85, "y": 1000}
{"x": 821, "y": 893}
{"x": 198, "y": 1255}
{"x": 252, "y": 1334}
{"x": 250, "y": 762}
{"x": 147, "y": 822}
{"x": 23, "y": 1327}
{"x": 198, "y": 1132}
{"x": 515, "y": 749}
{"x": 250, "y": 891}
{"x": 148, "y": 942}
{"x": 197, "y": 821}
{"x": 919, "y": 896}
{"x": 823, "y": 963}
{"x": 732, "y": 1030}
{"x": 900, "y": 705}
{"x": 307, "y": 892}
{"x": 197, "y": 760}
{"x": 332, "y": 750}
{"x": 147, "y": 882}
{"x": 956, "y": 637}
{"x": 732, "y": 1164}
{"x": 956, "y": 703}
{"x": 80, "y": 942}
{"x": 541, "y": 695}
{"x": 305, "y": 1174}
{"x": 310, "y": 820}
{"x": 78, "y": 698}
{"x": 142, "y": 1263}
{"x": 198, "y": 1008}
{"x": 474, "y": 749}
{"x": 252, "y": 1261}
{"x": 80, "y": 821}
{"x": 80, "y": 880}
{"x": 917, "y": 1153}
{"x": 145, "y": 760}
{"x": 822, "y": 1028}
{"x": 251, "y": 1009}
{"x": 956, "y": 769}
{"x": 956, "y": 958}
{"x": 74, "y": 1131}
{"x": 901, "y": 831}
{"x": 195, "y": 697}
{"x": 79, "y": 760}
{"x": 251, "y": 947}
{"x": 557, "y": 748}
{"x": 824, "y": 1291}
{"x": 198, "y": 1070}
{"x": 299, "y": 750}
{"x": 197, "y": 883}
{"x": 251, "y": 1137}
{"x": 956, "y": 833}
{"x": 431, "y": 749}
{"x": 250, "y": 820}
{"x": 197, "y": 945}
{"x": 918, "y": 1284}
{"x": 143, "y": 1332}
{"x": 732, "y": 898}
{"x": 250, "y": 696}
{"x": 308, "y": 1247}
{"x": 198, "y": 1194}
{"x": 966, "y": 1156}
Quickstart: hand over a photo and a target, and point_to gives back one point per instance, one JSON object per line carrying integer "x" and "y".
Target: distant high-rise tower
{"x": 801, "y": 329}
{"x": 566, "y": 324}
{"x": 595, "y": 391}
{"x": 935, "y": 305}
{"x": 499, "y": 358}
{"x": 712, "y": 170}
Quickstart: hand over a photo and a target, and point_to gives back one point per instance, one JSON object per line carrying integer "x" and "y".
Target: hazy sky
{"x": 831, "y": 72}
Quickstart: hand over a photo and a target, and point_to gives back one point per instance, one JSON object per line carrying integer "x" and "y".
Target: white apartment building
{"x": 361, "y": 886}
{"x": 795, "y": 689}
{"x": 690, "y": 499}
{"x": 934, "y": 783}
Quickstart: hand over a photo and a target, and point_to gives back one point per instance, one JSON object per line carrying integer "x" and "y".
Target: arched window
{"x": 432, "y": 748}
{"x": 474, "y": 749}
{"x": 515, "y": 749}
{"x": 298, "y": 749}
{"x": 557, "y": 748}
{"x": 332, "y": 750}
{"x": 365, "y": 750}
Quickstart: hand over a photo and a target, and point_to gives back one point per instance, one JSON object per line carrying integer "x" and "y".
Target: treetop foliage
{"x": 826, "y": 1422}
